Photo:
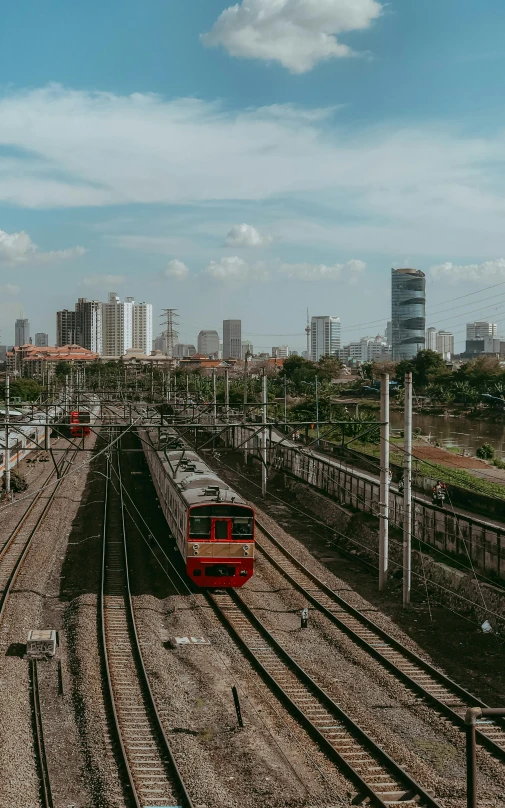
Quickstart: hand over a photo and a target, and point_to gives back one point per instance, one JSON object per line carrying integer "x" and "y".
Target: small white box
{"x": 41, "y": 643}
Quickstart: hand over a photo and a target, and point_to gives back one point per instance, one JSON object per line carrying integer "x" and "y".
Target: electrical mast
{"x": 169, "y": 318}
{"x": 307, "y": 331}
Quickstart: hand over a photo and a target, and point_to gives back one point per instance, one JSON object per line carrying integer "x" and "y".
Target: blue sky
{"x": 285, "y": 159}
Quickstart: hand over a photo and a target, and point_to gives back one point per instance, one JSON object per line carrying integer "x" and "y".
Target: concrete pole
{"x": 384, "y": 484}
{"x": 285, "y": 402}
{"x": 264, "y": 440}
{"x": 7, "y": 447}
{"x": 317, "y": 410}
{"x": 214, "y": 397}
{"x": 407, "y": 492}
{"x": 226, "y": 394}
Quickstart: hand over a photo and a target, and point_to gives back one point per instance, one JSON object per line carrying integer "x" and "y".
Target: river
{"x": 463, "y": 432}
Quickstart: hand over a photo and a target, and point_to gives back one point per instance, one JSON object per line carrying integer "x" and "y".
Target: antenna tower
{"x": 307, "y": 331}
{"x": 169, "y": 318}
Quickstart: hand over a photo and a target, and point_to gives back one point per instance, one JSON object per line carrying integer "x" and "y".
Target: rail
{"x": 152, "y": 772}
{"x": 45, "y": 783}
{"x": 375, "y": 774}
{"x": 445, "y": 695}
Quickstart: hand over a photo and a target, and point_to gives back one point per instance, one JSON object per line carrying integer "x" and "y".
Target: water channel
{"x": 463, "y": 432}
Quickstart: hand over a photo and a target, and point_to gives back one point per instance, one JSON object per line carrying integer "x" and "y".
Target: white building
{"x": 208, "y": 343}
{"x": 324, "y": 337}
{"x": 142, "y": 326}
{"x": 445, "y": 344}
{"x": 431, "y": 339}
{"x": 481, "y": 330}
{"x": 117, "y": 326}
{"x": 280, "y": 351}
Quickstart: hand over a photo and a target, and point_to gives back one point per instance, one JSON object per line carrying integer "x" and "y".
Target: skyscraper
{"x": 445, "y": 344}
{"x": 481, "y": 330}
{"x": 22, "y": 332}
{"x": 431, "y": 339}
{"x": 117, "y": 325}
{"x": 208, "y": 343}
{"x": 232, "y": 339}
{"x": 324, "y": 337}
{"x": 88, "y": 324}
{"x": 408, "y": 297}
{"x": 65, "y": 328}
{"x": 142, "y": 327}
{"x": 41, "y": 340}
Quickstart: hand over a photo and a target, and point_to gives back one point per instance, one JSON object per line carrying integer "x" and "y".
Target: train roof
{"x": 197, "y": 483}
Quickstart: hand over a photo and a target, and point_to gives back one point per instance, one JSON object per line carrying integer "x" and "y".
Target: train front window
{"x": 199, "y": 527}
{"x": 242, "y": 528}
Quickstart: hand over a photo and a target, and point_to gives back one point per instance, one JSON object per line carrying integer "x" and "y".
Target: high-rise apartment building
{"x": 22, "y": 332}
{"x": 481, "y": 330}
{"x": 142, "y": 327}
{"x": 182, "y": 350}
{"x": 117, "y": 325}
{"x": 324, "y": 337}
{"x": 431, "y": 339}
{"x": 445, "y": 344}
{"x": 408, "y": 314}
{"x": 280, "y": 351}
{"x": 232, "y": 339}
{"x": 208, "y": 344}
{"x": 65, "y": 328}
{"x": 41, "y": 340}
{"x": 88, "y": 324}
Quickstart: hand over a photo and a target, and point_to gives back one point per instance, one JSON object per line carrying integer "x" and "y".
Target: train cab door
{"x": 220, "y": 529}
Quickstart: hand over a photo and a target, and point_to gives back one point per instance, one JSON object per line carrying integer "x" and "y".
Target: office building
{"x": 22, "y": 332}
{"x": 117, "y": 326}
{"x": 247, "y": 348}
{"x": 280, "y": 352}
{"x": 208, "y": 344}
{"x": 160, "y": 343}
{"x": 431, "y": 339}
{"x": 88, "y": 324}
{"x": 41, "y": 340}
{"x": 65, "y": 328}
{"x": 367, "y": 349}
{"x": 142, "y": 327}
{"x": 4, "y": 350}
{"x": 324, "y": 337}
{"x": 408, "y": 312}
{"x": 232, "y": 339}
{"x": 481, "y": 330}
{"x": 445, "y": 344}
{"x": 183, "y": 350}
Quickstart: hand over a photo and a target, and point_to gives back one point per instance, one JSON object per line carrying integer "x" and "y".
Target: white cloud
{"x": 105, "y": 281}
{"x": 176, "y": 269}
{"x": 236, "y": 271}
{"x": 296, "y": 33}
{"x": 245, "y": 235}
{"x": 18, "y": 248}
{"x": 454, "y": 273}
{"x": 349, "y": 272}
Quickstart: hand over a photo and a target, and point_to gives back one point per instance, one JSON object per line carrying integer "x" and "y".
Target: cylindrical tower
{"x": 408, "y": 297}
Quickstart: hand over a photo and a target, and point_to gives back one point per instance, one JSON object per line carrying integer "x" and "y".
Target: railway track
{"x": 375, "y": 775}
{"x": 152, "y": 773}
{"x": 38, "y": 731}
{"x": 15, "y": 549}
{"x": 437, "y": 689}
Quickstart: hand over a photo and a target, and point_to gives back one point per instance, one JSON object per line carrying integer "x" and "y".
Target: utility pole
{"x": 317, "y": 409}
{"x": 7, "y": 447}
{"x": 285, "y": 402}
{"x": 214, "y": 398}
{"x": 226, "y": 394}
{"x": 264, "y": 440}
{"x": 170, "y": 318}
{"x": 407, "y": 491}
{"x": 246, "y": 357}
{"x": 384, "y": 484}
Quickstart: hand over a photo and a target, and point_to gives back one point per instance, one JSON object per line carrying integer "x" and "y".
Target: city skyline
{"x": 304, "y": 182}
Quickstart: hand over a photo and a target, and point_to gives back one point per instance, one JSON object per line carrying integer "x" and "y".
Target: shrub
{"x": 485, "y": 452}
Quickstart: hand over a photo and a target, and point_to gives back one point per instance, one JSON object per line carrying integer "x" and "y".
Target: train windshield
{"x": 221, "y": 523}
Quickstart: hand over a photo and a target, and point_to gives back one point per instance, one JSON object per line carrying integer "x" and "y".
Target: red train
{"x": 212, "y": 525}
{"x": 78, "y": 419}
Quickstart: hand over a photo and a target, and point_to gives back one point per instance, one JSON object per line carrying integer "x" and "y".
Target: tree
{"x": 25, "y": 389}
{"x": 329, "y": 367}
{"x": 426, "y": 368}
{"x": 63, "y": 369}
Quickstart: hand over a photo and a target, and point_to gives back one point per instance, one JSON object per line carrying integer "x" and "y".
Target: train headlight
{"x": 195, "y": 549}
{"x": 245, "y": 548}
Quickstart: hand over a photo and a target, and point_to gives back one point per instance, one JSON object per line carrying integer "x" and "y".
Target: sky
{"x": 252, "y": 161}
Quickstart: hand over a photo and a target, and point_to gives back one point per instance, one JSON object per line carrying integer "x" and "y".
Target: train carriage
{"x": 213, "y": 526}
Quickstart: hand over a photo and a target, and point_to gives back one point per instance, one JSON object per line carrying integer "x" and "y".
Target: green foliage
{"x": 25, "y": 389}
{"x": 485, "y": 452}
{"x": 18, "y": 482}
{"x": 428, "y": 367}
{"x": 62, "y": 369}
